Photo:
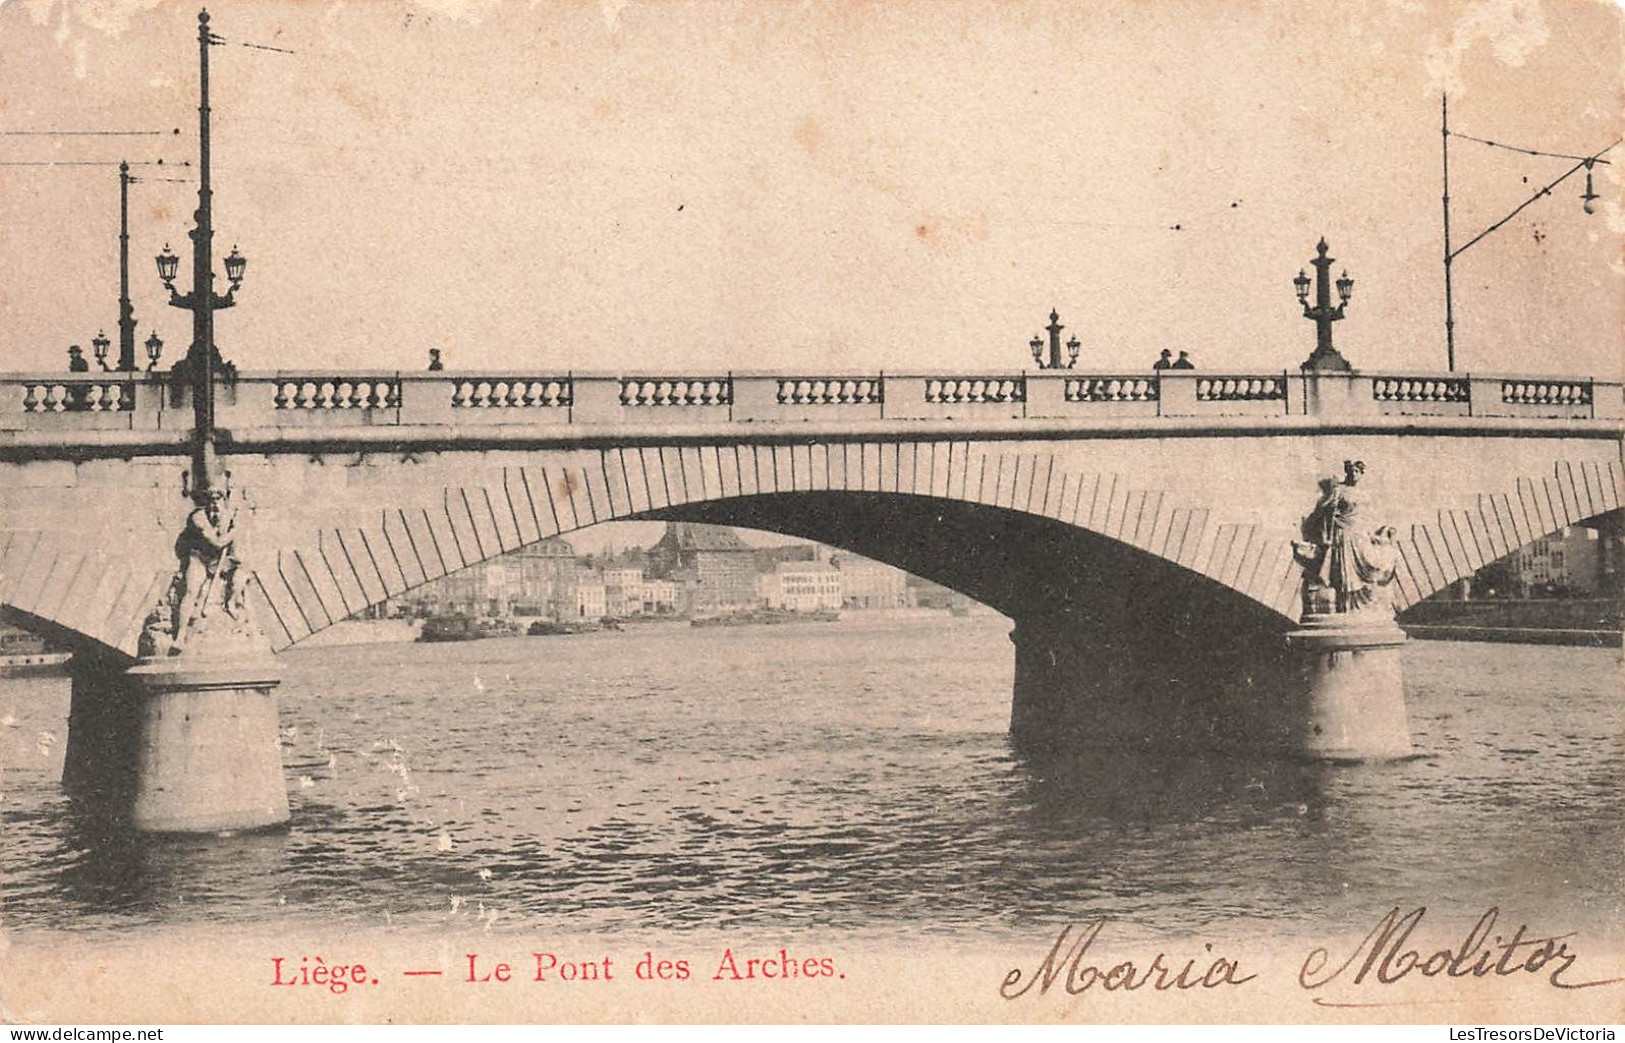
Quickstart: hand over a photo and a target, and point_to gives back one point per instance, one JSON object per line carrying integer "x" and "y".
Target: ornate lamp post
{"x": 155, "y": 350}
{"x": 201, "y": 655}
{"x": 203, "y": 356}
{"x": 1322, "y": 313}
{"x": 126, "y": 313}
{"x": 99, "y": 344}
{"x": 1052, "y": 360}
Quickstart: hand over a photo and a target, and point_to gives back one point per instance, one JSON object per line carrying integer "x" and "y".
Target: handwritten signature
{"x": 1384, "y": 957}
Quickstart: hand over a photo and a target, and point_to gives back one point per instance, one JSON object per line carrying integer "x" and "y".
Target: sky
{"x": 819, "y": 187}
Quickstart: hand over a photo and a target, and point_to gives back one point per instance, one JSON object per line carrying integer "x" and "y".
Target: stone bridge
{"x": 1138, "y": 528}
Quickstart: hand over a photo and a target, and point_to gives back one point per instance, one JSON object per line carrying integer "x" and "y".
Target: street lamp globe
{"x": 1302, "y": 285}
{"x": 168, "y": 266}
{"x": 1345, "y": 288}
{"x": 235, "y": 263}
{"x": 1038, "y": 349}
{"x": 1588, "y": 202}
{"x": 155, "y": 348}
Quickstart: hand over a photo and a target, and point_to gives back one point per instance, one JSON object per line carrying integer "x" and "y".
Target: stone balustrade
{"x": 1546, "y": 392}
{"x": 1420, "y": 389}
{"x": 676, "y": 391}
{"x": 830, "y": 391}
{"x": 975, "y": 390}
{"x": 78, "y": 396}
{"x": 512, "y": 392}
{"x": 1269, "y": 388}
{"x": 293, "y": 399}
{"x": 337, "y": 393}
{"x": 1111, "y": 389}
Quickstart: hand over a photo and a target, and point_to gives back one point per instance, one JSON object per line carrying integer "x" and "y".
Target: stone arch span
{"x": 1019, "y": 563}
{"x": 86, "y": 547}
{"x": 1093, "y": 506}
{"x": 1003, "y": 527}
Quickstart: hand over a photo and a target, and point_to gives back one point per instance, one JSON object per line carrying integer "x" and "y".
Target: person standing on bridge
{"x": 1184, "y": 361}
{"x": 76, "y": 360}
{"x": 434, "y": 360}
{"x": 1164, "y": 361}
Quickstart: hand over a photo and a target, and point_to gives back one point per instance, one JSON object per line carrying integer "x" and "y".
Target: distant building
{"x": 802, "y": 586}
{"x": 479, "y": 590}
{"x": 590, "y": 595}
{"x": 623, "y": 592}
{"x": 714, "y": 571}
{"x": 934, "y": 595}
{"x": 547, "y": 580}
{"x": 1576, "y": 562}
{"x": 536, "y": 581}
{"x": 1569, "y": 563}
{"x": 768, "y": 557}
{"x": 870, "y": 584}
{"x": 659, "y": 597}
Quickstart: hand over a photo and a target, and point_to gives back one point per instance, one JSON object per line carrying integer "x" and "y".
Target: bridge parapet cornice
{"x": 290, "y": 400}
{"x": 22, "y": 446}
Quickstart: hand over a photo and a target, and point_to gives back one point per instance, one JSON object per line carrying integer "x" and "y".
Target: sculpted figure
{"x": 207, "y": 564}
{"x": 1346, "y": 566}
{"x": 157, "y": 631}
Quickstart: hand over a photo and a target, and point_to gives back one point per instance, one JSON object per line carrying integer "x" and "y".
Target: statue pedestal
{"x": 182, "y": 744}
{"x": 1354, "y": 693}
{"x": 208, "y": 753}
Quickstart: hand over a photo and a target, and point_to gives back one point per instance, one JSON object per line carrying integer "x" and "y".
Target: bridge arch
{"x": 1008, "y": 528}
{"x": 926, "y": 506}
{"x": 335, "y": 532}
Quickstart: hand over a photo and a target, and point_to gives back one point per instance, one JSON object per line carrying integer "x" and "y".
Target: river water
{"x": 853, "y": 775}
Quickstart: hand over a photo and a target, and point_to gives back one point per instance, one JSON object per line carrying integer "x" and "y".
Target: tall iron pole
{"x": 126, "y": 314}
{"x": 1054, "y": 328}
{"x": 1449, "y": 299}
{"x": 202, "y": 350}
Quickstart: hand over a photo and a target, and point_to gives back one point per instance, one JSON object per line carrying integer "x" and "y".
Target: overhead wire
{"x": 1527, "y": 151}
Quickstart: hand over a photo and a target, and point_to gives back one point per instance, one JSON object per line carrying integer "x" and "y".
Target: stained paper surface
{"x": 828, "y": 239}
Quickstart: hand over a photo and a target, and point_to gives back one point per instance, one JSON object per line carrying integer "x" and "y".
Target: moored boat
{"x": 23, "y": 654}
{"x": 466, "y": 628}
{"x": 547, "y": 627}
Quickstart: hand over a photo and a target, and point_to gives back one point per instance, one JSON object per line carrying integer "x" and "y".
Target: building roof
{"x": 804, "y": 566}
{"x": 690, "y": 536}
{"x": 554, "y": 547}
{"x": 788, "y": 552}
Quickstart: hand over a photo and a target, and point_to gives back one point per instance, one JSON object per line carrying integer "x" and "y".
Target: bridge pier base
{"x": 1354, "y": 688}
{"x": 181, "y": 744}
{"x": 1084, "y": 685}
{"x": 1331, "y": 691}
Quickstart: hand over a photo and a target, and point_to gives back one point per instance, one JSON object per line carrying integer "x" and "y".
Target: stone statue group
{"x": 205, "y": 600}
{"x": 1347, "y": 567}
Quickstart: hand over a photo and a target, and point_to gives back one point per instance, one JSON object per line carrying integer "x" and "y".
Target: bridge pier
{"x": 1329, "y": 691}
{"x": 185, "y": 744}
{"x": 1091, "y": 683}
{"x": 1354, "y": 691}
